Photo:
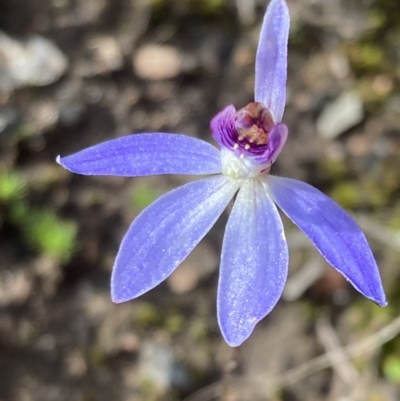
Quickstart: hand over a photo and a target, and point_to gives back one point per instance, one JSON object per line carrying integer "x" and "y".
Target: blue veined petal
{"x": 146, "y": 154}
{"x": 271, "y": 59}
{"x": 333, "y": 232}
{"x": 254, "y": 263}
{"x": 164, "y": 234}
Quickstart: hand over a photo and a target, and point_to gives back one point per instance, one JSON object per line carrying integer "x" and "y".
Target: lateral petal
{"x": 146, "y": 154}
{"x": 333, "y": 232}
{"x": 271, "y": 59}
{"x": 164, "y": 234}
{"x": 254, "y": 263}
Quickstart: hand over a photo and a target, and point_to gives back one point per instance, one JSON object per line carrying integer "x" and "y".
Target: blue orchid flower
{"x": 254, "y": 260}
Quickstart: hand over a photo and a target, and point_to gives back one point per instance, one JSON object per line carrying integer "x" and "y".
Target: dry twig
{"x": 365, "y": 346}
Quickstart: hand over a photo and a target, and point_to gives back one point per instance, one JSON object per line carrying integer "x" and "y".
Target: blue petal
{"x": 271, "y": 59}
{"x": 164, "y": 234}
{"x": 254, "y": 263}
{"x": 146, "y": 154}
{"x": 333, "y": 232}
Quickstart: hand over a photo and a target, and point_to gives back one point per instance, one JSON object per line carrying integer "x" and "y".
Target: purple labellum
{"x": 253, "y": 139}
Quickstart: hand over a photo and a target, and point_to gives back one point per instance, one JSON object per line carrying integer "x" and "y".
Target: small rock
{"x": 246, "y": 11}
{"x": 47, "y": 270}
{"x": 340, "y": 115}
{"x": 104, "y": 56}
{"x": 159, "y": 366}
{"x": 157, "y": 62}
{"x": 15, "y": 287}
{"x": 69, "y": 101}
{"x": 75, "y": 363}
{"x": 43, "y": 115}
{"x": 36, "y": 62}
{"x": 339, "y": 64}
{"x": 359, "y": 145}
{"x": 382, "y": 84}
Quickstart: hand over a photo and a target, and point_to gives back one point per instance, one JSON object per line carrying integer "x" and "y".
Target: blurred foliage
{"x": 42, "y": 229}
{"x": 346, "y": 193}
{"x": 374, "y": 56}
{"x": 198, "y": 7}
{"x": 352, "y": 189}
{"x": 394, "y": 221}
{"x": 333, "y": 169}
{"x": 391, "y": 368}
{"x": 365, "y": 56}
{"x": 147, "y": 315}
{"x": 12, "y": 186}
{"x": 142, "y": 195}
{"x": 175, "y": 323}
{"x": 49, "y": 234}
{"x": 360, "y": 193}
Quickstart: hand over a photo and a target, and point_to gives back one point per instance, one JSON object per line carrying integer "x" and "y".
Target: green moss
{"x": 363, "y": 314}
{"x": 50, "y": 235}
{"x": 149, "y": 390}
{"x": 389, "y": 10}
{"x": 142, "y": 196}
{"x": 12, "y": 186}
{"x": 199, "y": 329}
{"x": 394, "y": 221}
{"x": 205, "y": 7}
{"x": 147, "y": 315}
{"x": 375, "y": 193}
{"x": 365, "y": 56}
{"x": 346, "y": 193}
{"x": 174, "y": 324}
{"x": 377, "y": 19}
{"x": 43, "y": 230}
{"x": 18, "y": 212}
{"x": 212, "y": 6}
{"x": 202, "y": 8}
{"x": 391, "y": 368}
{"x": 333, "y": 169}
{"x": 96, "y": 356}
{"x": 367, "y": 192}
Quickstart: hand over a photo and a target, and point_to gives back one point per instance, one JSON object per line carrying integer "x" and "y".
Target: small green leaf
{"x": 12, "y": 185}
{"x": 51, "y": 235}
{"x": 142, "y": 196}
{"x": 391, "y": 368}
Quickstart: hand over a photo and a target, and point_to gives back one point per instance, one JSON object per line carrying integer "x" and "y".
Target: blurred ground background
{"x": 76, "y": 72}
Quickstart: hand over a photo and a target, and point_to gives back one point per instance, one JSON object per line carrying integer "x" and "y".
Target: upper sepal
{"x": 271, "y": 59}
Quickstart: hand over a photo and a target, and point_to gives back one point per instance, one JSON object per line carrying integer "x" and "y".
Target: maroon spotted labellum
{"x": 253, "y": 123}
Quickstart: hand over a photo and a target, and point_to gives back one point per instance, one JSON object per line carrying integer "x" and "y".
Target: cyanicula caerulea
{"x": 254, "y": 259}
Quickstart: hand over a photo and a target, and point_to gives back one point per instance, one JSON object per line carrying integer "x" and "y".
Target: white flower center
{"x": 240, "y": 167}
